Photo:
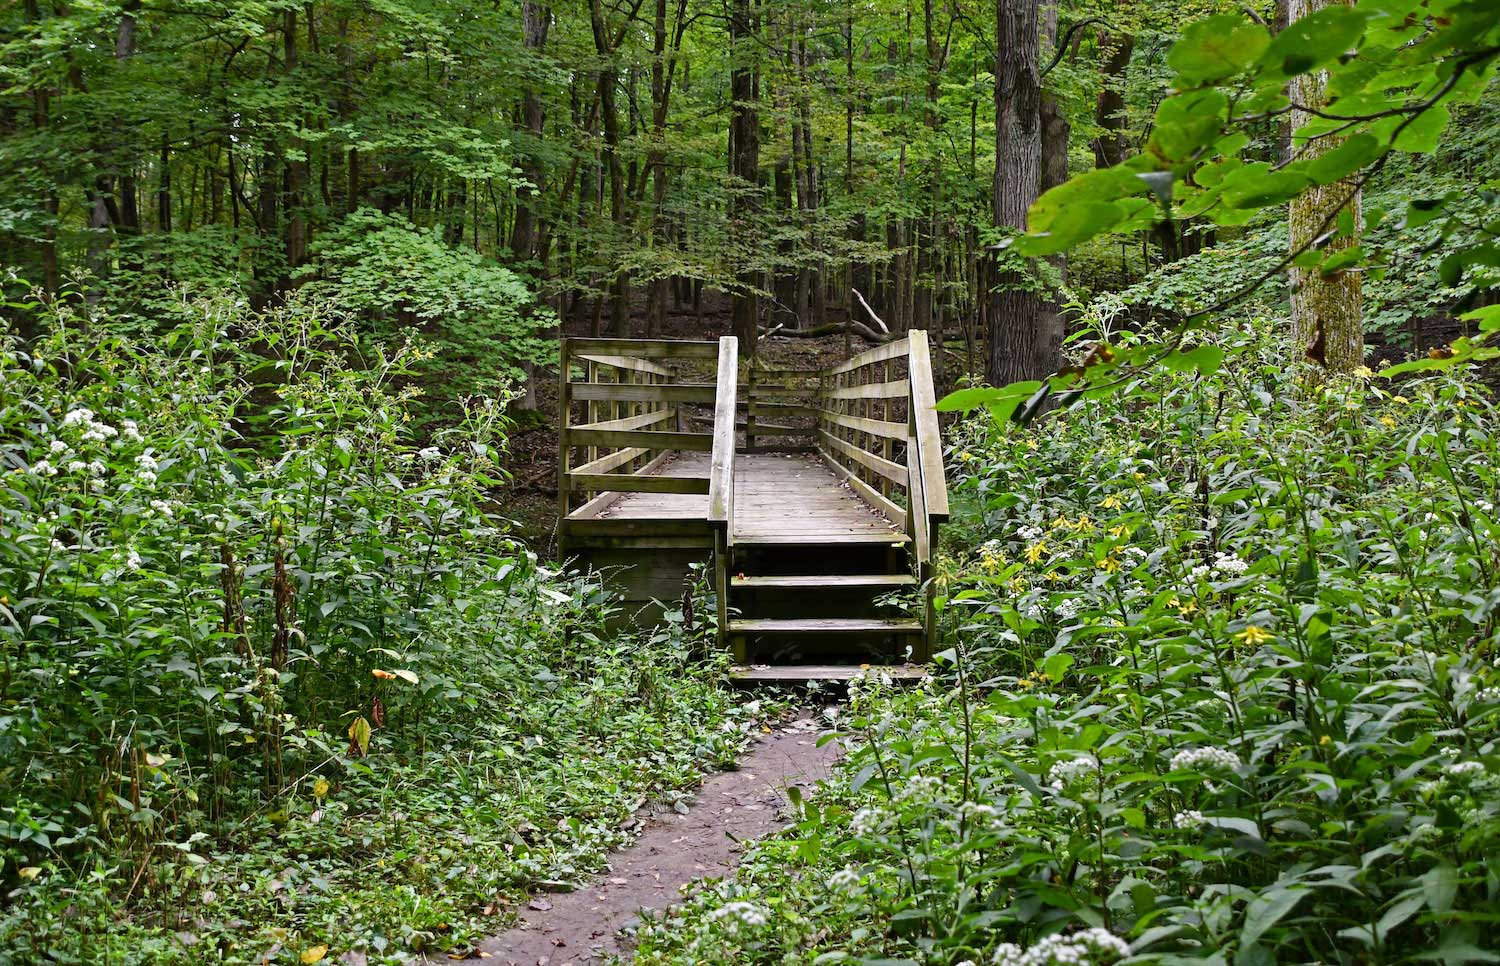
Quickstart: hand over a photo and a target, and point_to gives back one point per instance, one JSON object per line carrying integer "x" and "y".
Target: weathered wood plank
{"x": 636, "y": 483}
{"x": 646, "y": 439}
{"x": 928, "y": 435}
{"x": 880, "y": 353}
{"x": 613, "y": 461}
{"x": 874, "y": 497}
{"x": 637, "y": 527}
{"x": 629, "y": 422}
{"x": 665, "y": 392}
{"x": 646, "y": 348}
{"x": 894, "y": 389}
{"x": 826, "y": 625}
{"x": 875, "y": 427}
{"x": 625, "y": 362}
{"x": 805, "y": 673}
{"x": 889, "y": 469}
{"x": 826, "y": 582}
{"x": 721, "y": 466}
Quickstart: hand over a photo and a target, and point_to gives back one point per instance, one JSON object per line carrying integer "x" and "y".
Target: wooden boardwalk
{"x": 814, "y": 495}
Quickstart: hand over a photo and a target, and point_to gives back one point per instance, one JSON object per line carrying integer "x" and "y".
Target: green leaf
{"x": 1266, "y": 910}
{"x": 1440, "y": 887}
{"x": 1421, "y": 134}
{"x": 1216, "y": 48}
{"x": 1311, "y": 42}
{"x": 1205, "y": 358}
{"x": 1344, "y": 160}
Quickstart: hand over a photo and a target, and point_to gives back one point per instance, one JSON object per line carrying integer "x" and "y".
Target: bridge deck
{"x": 788, "y": 498}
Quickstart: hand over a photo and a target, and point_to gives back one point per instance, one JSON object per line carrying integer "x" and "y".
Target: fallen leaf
{"x": 314, "y": 955}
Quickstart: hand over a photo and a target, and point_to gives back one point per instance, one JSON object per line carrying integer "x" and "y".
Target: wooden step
{"x": 746, "y": 537}
{"x": 825, "y": 582}
{"x": 824, "y": 625}
{"x": 807, "y": 673}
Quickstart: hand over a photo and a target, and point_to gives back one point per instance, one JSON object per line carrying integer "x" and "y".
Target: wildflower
{"x": 1030, "y": 533}
{"x": 162, "y": 507}
{"x": 1036, "y": 551}
{"x": 381, "y": 674}
{"x": 130, "y": 431}
{"x": 1400, "y": 399}
{"x": 1069, "y": 771}
{"x": 1087, "y": 947}
{"x": 1464, "y": 769}
{"x": 97, "y": 468}
{"x": 1229, "y": 564}
{"x": 1138, "y": 476}
{"x": 77, "y": 466}
{"x": 1111, "y": 502}
{"x": 431, "y": 454}
{"x": 1109, "y": 564}
{"x": 1205, "y": 759}
{"x": 1254, "y": 636}
{"x": 320, "y": 788}
{"x": 1488, "y": 695}
{"x": 133, "y": 561}
{"x": 1191, "y": 818}
{"x": 1067, "y": 608}
{"x": 1388, "y": 422}
{"x": 57, "y": 447}
{"x": 737, "y": 916}
{"x": 866, "y": 822}
{"x": 147, "y": 462}
{"x": 146, "y": 477}
{"x": 1116, "y": 532}
{"x": 844, "y": 880}
{"x": 43, "y": 468}
{"x": 980, "y": 815}
{"x": 1363, "y": 372}
{"x": 78, "y": 416}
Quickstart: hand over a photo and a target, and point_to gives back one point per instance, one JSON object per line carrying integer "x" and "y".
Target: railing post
{"x": 565, "y": 405}
{"x": 721, "y": 473}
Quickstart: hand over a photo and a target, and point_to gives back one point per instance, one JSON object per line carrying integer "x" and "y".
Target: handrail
{"x": 721, "y": 466}
{"x": 928, "y": 461}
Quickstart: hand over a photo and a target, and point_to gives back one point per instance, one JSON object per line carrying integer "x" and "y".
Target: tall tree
{"x": 1327, "y": 311}
{"x": 1022, "y": 346}
{"x": 744, "y": 160}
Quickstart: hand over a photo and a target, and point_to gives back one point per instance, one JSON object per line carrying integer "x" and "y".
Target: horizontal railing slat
{"x": 614, "y": 460}
{"x": 634, "y": 483}
{"x": 892, "y": 471}
{"x": 616, "y": 392}
{"x": 646, "y": 439}
{"x": 895, "y": 389}
{"x": 646, "y": 348}
{"x": 875, "y": 427}
{"x": 881, "y": 353}
{"x": 629, "y": 422}
{"x": 625, "y": 362}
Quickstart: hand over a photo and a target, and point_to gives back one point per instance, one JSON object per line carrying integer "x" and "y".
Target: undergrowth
{"x": 277, "y": 686}
{"x": 1221, "y": 687}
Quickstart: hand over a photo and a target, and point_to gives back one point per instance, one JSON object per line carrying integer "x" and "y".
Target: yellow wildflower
{"x": 1387, "y": 422}
{"x": 1324, "y": 740}
{"x": 1111, "y": 502}
{"x": 1036, "y": 551}
{"x": 1055, "y": 576}
{"x": 1061, "y": 522}
{"x": 1400, "y": 399}
{"x": 1109, "y": 564}
{"x": 1138, "y": 476}
{"x": 1254, "y": 636}
{"x": 1364, "y": 372}
{"x": 1187, "y": 608}
{"x": 320, "y": 788}
{"x": 1119, "y": 531}
{"x": 1031, "y": 444}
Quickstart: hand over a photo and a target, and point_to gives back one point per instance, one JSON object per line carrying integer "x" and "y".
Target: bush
{"x": 274, "y": 677}
{"x": 1223, "y": 686}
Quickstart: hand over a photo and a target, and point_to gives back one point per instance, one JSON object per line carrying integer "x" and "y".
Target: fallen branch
{"x": 832, "y": 328}
{"x": 878, "y": 320}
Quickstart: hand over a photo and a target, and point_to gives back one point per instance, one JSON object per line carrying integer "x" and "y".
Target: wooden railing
{"x": 633, "y": 400}
{"x": 878, "y": 427}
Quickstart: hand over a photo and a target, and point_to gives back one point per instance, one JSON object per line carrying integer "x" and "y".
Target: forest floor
{"x": 677, "y": 845}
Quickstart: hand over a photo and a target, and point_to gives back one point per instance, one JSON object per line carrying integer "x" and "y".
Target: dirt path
{"x": 732, "y": 807}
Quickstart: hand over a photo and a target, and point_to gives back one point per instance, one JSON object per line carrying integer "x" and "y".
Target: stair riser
{"x": 776, "y": 561}
{"x": 766, "y": 602}
{"x": 831, "y": 648}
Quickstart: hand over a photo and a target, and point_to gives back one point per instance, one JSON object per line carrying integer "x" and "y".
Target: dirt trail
{"x": 731, "y": 808}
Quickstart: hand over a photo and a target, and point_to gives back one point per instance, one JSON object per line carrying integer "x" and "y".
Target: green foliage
{"x": 1221, "y": 683}
{"x": 274, "y": 677}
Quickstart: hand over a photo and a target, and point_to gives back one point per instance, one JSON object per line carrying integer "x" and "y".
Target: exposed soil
{"x": 732, "y": 808}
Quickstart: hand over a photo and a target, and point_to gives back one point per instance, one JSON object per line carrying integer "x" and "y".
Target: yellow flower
{"x": 1387, "y": 422}
{"x": 320, "y": 788}
{"x": 1109, "y": 564}
{"x": 1400, "y": 399}
{"x": 1084, "y": 524}
{"x": 1138, "y": 476}
{"x": 1254, "y": 636}
{"x": 1185, "y": 609}
{"x": 1031, "y": 444}
{"x": 1119, "y": 531}
{"x": 1055, "y": 576}
{"x": 1036, "y": 551}
{"x": 1364, "y": 372}
{"x": 966, "y": 456}
{"x": 1111, "y": 502}
{"x": 1060, "y": 522}
{"x": 1324, "y": 740}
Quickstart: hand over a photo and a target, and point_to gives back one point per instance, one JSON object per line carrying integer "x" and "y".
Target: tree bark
{"x": 535, "y": 19}
{"x": 1327, "y": 313}
{"x": 1021, "y": 347}
{"x": 744, "y": 163}
{"x": 1109, "y": 109}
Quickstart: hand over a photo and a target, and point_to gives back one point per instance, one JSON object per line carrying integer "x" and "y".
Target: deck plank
{"x": 779, "y": 498}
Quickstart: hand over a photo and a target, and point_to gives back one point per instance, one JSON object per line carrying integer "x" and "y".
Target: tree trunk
{"x": 1055, "y": 131}
{"x": 1327, "y": 313}
{"x": 1020, "y": 345}
{"x": 1109, "y": 109}
{"x": 535, "y": 19}
{"x": 744, "y": 162}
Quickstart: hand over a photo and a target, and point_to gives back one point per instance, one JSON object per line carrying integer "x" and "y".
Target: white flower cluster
{"x": 1083, "y": 948}
{"x": 431, "y": 454}
{"x": 1229, "y": 564}
{"x": 133, "y": 561}
{"x": 867, "y": 821}
{"x": 1070, "y": 770}
{"x": 1030, "y": 533}
{"x": 737, "y": 916}
{"x": 94, "y": 431}
{"x": 43, "y": 468}
{"x": 920, "y": 787}
{"x": 1191, "y": 818}
{"x": 844, "y": 880}
{"x": 147, "y": 465}
{"x": 1067, "y": 608}
{"x": 1464, "y": 769}
{"x": 1488, "y": 695}
{"x": 1205, "y": 759}
{"x": 980, "y": 816}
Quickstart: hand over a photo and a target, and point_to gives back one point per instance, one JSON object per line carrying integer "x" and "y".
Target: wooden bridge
{"x": 814, "y": 496}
